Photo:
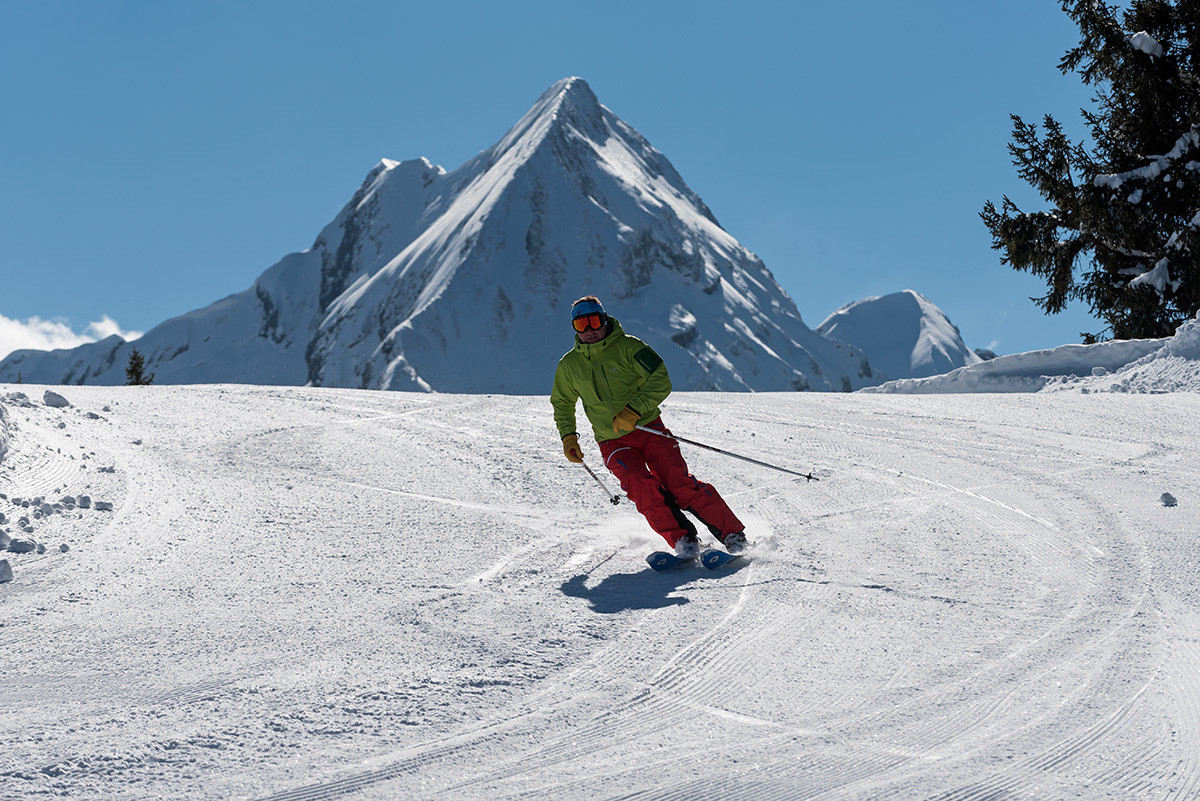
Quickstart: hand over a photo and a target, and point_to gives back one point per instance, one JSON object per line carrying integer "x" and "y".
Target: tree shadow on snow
{"x": 624, "y": 592}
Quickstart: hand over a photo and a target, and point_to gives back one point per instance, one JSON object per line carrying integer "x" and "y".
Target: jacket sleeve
{"x": 656, "y": 385}
{"x": 563, "y": 398}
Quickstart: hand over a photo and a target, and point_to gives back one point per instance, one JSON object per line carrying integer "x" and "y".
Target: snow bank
{"x": 1174, "y": 367}
{"x": 1027, "y": 372}
{"x": 1135, "y": 365}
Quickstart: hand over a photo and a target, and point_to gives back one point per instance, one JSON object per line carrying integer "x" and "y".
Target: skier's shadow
{"x": 624, "y": 592}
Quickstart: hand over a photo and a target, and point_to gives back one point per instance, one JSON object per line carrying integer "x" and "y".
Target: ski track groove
{"x": 693, "y": 664}
{"x": 1054, "y": 561}
{"x": 46, "y": 473}
{"x": 1184, "y": 665}
{"x": 1052, "y": 558}
{"x": 658, "y": 701}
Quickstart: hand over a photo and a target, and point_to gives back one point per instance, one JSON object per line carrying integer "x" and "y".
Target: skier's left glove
{"x": 626, "y": 420}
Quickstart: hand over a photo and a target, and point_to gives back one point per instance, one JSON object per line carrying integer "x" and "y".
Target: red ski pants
{"x": 655, "y": 477}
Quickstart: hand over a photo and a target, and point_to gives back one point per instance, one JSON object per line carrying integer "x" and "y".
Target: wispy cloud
{"x": 40, "y": 334}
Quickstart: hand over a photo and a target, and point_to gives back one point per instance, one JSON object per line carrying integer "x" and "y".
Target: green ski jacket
{"x": 618, "y": 371}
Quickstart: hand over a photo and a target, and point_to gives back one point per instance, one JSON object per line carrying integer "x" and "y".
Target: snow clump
{"x": 52, "y": 398}
{"x": 3, "y": 432}
{"x": 1146, "y": 43}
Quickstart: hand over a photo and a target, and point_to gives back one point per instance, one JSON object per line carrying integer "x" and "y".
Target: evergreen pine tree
{"x": 1123, "y": 232}
{"x": 135, "y": 371}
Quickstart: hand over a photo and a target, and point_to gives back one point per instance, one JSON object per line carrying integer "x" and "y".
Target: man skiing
{"x": 622, "y": 381}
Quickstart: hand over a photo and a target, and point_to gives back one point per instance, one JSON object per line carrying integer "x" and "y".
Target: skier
{"x": 622, "y": 381}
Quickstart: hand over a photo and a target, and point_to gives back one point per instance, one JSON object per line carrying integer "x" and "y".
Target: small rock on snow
{"x": 5, "y": 571}
{"x": 22, "y": 546}
{"x": 103, "y": 506}
{"x": 1168, "y": 499}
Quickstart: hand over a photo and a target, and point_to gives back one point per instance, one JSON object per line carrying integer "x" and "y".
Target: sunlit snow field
{"x": 317, "y": 594}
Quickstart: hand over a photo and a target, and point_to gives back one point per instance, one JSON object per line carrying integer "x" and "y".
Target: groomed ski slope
{"x": 321, "y": 594}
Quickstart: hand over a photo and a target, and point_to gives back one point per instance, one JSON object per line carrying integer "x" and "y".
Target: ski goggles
{"x": 586, "y": 321}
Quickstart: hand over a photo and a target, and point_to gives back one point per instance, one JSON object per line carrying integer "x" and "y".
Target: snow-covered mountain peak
{"x": 905, "y": 334}
{"x": 461, "y": 280}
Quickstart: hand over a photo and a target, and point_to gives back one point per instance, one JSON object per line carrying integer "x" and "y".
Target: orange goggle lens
{"x": 588, "y": 321}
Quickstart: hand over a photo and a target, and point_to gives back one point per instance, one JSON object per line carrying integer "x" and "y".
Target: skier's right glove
{"x": 571, "y": 448}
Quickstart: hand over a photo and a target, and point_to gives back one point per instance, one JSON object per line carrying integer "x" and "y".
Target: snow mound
{"x": 1140, "y": 366}
{"x": 1027, "y": 372}
{"x": 904, "y": 334}
{"x": 1173, "y": 367}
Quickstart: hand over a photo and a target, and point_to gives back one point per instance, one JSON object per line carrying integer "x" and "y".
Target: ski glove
{"x": 571, "y": 448}
{"x": 625, "y": 420}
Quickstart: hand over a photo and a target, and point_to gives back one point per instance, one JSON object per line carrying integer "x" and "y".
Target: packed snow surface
{"x": 310, "y": 593}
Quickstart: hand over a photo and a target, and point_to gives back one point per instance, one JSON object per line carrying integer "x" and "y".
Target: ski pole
{"x": 808, "y": 476}
{"x": 613, "y": 499}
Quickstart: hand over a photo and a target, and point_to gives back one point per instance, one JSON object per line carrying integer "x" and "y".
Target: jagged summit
{"x": 461, "y": 280}
{"x": 567, "y": 106}
{"x": 571, "y": 99}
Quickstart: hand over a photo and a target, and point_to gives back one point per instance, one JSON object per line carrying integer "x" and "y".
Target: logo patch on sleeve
{"x": 648, "y": 359}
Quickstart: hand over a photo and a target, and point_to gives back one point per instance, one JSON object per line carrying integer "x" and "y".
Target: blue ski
{"x": 662, "y": 561}
{"x": 713, "y": 559}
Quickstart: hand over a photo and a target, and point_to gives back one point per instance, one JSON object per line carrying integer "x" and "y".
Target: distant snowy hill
{"x": 904, "y": 335}
{"x": 461, "y": 281}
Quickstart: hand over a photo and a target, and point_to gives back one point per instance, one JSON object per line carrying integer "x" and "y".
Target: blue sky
{"x": 158, "y": 156}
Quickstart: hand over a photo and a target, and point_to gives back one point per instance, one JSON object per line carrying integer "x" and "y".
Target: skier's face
{"x": 593, "y": 335}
